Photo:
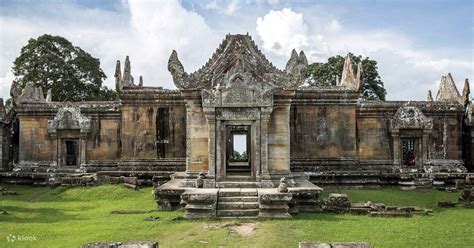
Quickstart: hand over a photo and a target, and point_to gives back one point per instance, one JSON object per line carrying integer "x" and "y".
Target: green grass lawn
{"x": 71, "y": 217}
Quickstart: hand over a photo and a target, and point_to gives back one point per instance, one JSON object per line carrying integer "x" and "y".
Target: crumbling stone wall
{"x": 445, "y": 139}
{"x": 153, "y": 131}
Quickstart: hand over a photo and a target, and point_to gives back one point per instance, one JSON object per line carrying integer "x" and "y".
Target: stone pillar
{"x": 425, "y": 144}
{"x": 396, "y": 147}
{"x": 265, "y": 119}
{"x": 197, "y": 138}
{"x": 82, "y": 151}
{"x": 211, "y": 121}
{"x": 54, "y": 137}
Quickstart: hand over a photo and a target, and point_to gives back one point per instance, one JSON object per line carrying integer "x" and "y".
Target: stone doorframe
{"x": 69, "y": 123}
{"x": 410, "y": 122}
{"x": 255, "y": 117}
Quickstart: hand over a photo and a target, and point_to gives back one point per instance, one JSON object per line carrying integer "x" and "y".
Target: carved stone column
{"x": 211, "y": 121}
{"x": 264, "y": 120}
{"x": 82, "y": 151}
{"x": 54, "y": 137}
{"x": 396, "y": 147}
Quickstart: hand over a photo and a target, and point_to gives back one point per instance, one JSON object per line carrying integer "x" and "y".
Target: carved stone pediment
{"x": 69, "y": 118}
{"x": 238, "y": 89}
{"x": 238, "y": 51}
{"x": 409, "y": 117}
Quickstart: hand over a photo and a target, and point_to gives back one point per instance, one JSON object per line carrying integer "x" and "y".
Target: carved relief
{"x": 69, "y": 118}
{"x": 237, "y": 114}
{"x": 410, "y": 118}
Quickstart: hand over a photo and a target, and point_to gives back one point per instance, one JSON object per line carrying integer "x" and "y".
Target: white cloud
{"x": 281, "y": 31}
{"x": 334, "y": 26}
{"x": 408, "y": 72}
{"x": 227, "y": 9}
{"x": 147, "y": 31}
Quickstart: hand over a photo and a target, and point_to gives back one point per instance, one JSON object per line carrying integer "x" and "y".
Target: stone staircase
{"x": 235, "y": 202}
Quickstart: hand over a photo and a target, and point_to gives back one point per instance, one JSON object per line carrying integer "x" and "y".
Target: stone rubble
{"x": 334, "y": 245}
{"x": 131, "y": 244}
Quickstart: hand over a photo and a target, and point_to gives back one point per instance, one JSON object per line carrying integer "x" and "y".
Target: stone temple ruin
{"x": 240, "y": 136}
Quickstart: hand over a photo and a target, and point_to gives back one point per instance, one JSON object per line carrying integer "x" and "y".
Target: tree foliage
{"x": 324, "y": 74}
{"x": 52, "y": 62}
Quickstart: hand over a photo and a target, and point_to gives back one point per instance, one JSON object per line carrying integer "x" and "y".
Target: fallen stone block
{"x": 467, "y": 195}
{"x": 131, "y": 186}
{"x": 391, "y": 214}
{"x": 9, "y": 193}
{"x": 129, "y": 180}
{"x": 351, "y": 245}
{"x": 447, "y": 204}
{"x": 314, "y": 245}
{"x": 132, "y": 211}
{"x": 338, "y": 203}
{"x": 132, "y": 244}
{"x": 334, "y": 245}
{"x": 451, "y": 189}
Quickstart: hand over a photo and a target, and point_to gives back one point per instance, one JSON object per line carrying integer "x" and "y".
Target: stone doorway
{"x": 238, "y": 160}
{"x": 409, "y": 152}
{"x": 71, "y": 152}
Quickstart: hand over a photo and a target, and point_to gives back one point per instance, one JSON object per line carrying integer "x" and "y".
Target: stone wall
{"x": 323, "y": 128}
{"x": 374, "y": 140}
{"x": 36, "y": 145}
{"x": 153, "y": 131}
{"x": 103, "y": 143}
{"x": 279, "y": 139}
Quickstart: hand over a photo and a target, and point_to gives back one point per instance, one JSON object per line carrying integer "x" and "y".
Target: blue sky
{"x": 414, "y": 42}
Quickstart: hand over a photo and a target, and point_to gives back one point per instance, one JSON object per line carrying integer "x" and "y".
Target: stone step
{"x": 237, "y": 205}
{"x": 238, "y": 184}
{"x": 237, "y": 213}
{"x": 239, "y": 178}
{"x": 238, "y": 199}
{"x": 238, "y": 192}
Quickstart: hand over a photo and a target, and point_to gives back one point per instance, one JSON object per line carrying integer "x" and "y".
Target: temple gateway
{"x": 240, "y": 137}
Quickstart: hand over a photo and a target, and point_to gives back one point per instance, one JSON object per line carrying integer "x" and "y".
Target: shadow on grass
{"x": 40, "y": 215}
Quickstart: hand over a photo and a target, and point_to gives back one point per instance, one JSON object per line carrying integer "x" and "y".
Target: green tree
{"x": 52, "y": 62}
{"x": 323, "y": 74}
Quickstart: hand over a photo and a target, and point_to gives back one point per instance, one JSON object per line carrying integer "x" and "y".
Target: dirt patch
{"x": 245, "y": 229}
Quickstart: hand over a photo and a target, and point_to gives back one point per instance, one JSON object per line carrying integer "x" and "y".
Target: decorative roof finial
{"x": 359, "y": 80}
{"x": 430, "y": 96}
{"x": 118, "y": 77}
{"x": 49, "y": 96}
{"x": 127, "y": 73}
{"x": 348, "y": 77}
{"x": 465, "y": 93}
{"x": 302, "y": 58}
{"x": 447, "y": 90}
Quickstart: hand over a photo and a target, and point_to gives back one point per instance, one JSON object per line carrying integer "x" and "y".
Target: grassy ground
{"x": 71, "y": 217}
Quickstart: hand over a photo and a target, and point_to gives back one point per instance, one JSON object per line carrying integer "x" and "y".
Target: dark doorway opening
{"x": 409, "y": 152}
{"x": 162, "y": 131}
{"x": 238, "y": 151}
{"x": 71, "y": 152}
